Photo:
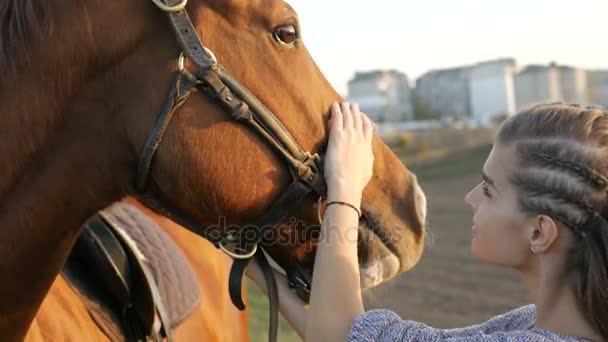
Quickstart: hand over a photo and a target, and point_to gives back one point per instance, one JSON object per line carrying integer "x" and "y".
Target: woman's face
{"x": 498, "y": 232}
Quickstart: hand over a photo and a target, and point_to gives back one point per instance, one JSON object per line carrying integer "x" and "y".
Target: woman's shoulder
{"x": 515, "y": 325}
{"x": 518, "y": 319}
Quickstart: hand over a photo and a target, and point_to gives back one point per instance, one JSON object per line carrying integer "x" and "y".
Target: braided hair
{"x": 562, "y": 172}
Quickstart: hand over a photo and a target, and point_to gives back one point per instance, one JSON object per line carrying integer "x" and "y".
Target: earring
{"x": 532, "y": 249}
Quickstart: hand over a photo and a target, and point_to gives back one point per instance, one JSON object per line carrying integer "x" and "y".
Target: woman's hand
{"x": 335, "y": 298}
{"x": 349, "y": 159}
{"x": 336, "y": 294}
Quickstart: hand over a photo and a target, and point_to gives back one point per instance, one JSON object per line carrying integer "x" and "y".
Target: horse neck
{"x": 56, "y": 176}
{"x": 32, "y": 110}
{"x": 40, "y": 220}
{"x": 88, "y": 39}
{"x": 34, "y": 96}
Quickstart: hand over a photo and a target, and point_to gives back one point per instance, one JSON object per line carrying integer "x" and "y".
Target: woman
{"x": 540, "y": 209}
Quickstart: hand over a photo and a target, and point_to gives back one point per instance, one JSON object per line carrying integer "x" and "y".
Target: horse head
{"x": 92, "y": 80}
{"x": 219, "y": 171}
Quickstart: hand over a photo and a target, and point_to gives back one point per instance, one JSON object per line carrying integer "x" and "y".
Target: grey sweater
{"x": 514, "y": 326}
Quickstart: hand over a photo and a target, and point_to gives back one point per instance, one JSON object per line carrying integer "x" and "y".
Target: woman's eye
{"x": 286, "y": 34}
{"x": 486, "y": 190}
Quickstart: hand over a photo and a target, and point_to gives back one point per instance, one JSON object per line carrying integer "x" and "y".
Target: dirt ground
{"x": 448, "y": 288}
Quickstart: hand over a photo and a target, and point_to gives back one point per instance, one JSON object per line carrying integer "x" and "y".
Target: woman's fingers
{"x": 343, "y": 172}
{"x": 337, "y": 122}
{"x": 347, "y": 115}
{"x": 357, "y": 124}
{"x": 367, "y": 126}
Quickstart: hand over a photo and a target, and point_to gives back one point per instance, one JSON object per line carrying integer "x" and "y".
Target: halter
{"x": 245, "y": 108}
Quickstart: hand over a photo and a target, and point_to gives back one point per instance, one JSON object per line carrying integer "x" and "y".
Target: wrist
{"x": 344, "y": 193}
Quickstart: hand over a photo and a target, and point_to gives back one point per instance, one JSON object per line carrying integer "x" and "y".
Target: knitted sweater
{"x": 513, "y": 326}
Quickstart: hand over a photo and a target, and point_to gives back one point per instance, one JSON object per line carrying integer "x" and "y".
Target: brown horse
{"x": 82, "y": 85}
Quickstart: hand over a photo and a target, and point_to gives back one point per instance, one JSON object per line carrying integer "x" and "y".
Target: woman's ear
{"x": 543, "y": 234}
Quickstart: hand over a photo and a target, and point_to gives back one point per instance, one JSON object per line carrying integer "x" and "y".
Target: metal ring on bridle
{"x": 182, "y": 58}
{"x": 180, "y": 62}
{"x": 238, "y": 256}
{"x": 174, "y": 8}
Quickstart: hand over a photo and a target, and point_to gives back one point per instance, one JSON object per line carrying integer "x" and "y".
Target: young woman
{"x": 540, "y": 209}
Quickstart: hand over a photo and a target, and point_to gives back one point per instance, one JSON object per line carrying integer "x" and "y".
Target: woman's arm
{"x": 336, "y": 292}
{"x": 336, "y": 298}
{"x": 386, "y": 325}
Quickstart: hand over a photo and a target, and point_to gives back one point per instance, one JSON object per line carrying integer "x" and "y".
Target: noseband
{"x": 242, "y": 106}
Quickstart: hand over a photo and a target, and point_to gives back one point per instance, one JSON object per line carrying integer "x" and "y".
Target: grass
{"x": 457, "y": 164}
{"x": 258, "y": 318}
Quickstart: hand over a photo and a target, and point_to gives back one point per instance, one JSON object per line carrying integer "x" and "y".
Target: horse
{"x": 83, "y": 85}
{"x": 214, "y": 319}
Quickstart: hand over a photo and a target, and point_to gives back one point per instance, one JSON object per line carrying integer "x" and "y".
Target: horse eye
{"x": 286, "y": 34}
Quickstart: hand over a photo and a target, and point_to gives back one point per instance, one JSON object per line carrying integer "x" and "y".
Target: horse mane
{"x": 20, "y": 22}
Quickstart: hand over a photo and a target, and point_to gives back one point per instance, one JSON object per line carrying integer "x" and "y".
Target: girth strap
{"x": 107, "y": 244}
{"x": 158, "y": 303}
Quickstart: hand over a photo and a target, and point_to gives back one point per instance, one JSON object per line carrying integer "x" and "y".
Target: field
{"x": 448, "y": 288}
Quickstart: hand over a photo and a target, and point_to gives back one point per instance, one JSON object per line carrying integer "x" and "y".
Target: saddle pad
{"x": 143, "y": 239}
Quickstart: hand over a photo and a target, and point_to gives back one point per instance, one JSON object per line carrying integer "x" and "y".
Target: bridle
{"x": 305, "y": 168}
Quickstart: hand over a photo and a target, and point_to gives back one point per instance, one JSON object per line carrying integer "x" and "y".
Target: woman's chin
{"x": 475, "y": 250}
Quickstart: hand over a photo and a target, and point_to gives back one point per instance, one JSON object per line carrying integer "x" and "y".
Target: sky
{"x": 417, "y": 36}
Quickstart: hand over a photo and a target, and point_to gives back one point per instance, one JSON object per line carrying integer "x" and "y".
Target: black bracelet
{"x": 346, "y": 204}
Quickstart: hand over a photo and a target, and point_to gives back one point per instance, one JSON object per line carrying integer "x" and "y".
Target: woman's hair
{"x": 562, "y": 172}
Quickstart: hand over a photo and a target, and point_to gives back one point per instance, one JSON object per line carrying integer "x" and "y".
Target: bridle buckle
{"x": 170, "y": 9}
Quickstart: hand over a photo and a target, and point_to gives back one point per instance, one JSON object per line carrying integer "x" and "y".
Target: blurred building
{"x": 597, "y": 87}
{"x": 537, "y": 84}
{"x": 445, "y": 91}
{"x": 573, "y": 85}
{"x": 384, "y": 95}
{"x": 492, "y": 90}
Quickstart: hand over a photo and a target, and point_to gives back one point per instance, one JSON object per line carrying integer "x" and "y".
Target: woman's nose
{"x": 468, "y": 199}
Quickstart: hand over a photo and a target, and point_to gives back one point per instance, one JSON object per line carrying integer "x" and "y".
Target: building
{"x": 384, "y": 95}
{"x": 597, "y": 87}
{"x": 492, "y": 90}
{"x": 537, "y": 84}
{"x": 445, "y": 91}
{"x": 573, "y": 85}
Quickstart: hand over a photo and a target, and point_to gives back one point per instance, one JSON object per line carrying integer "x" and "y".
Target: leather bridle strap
{"x": 187, "y": 38}
{"x": 240, "y": 103}
{"x": 294, "y": 195}
{"x": 244, "y": 107}
{"x": 180, "y": 91}
{"x": 273, "y": 295}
